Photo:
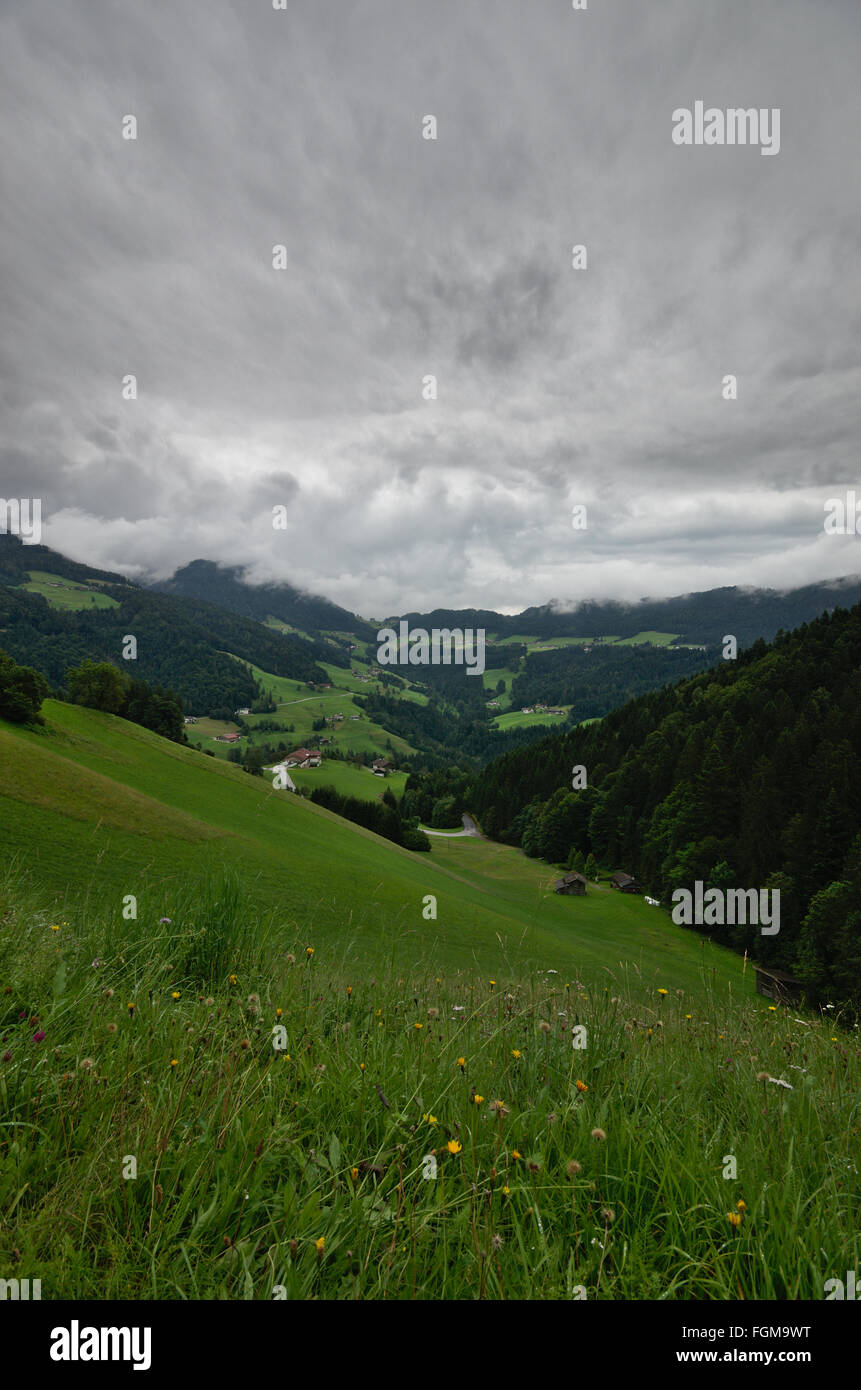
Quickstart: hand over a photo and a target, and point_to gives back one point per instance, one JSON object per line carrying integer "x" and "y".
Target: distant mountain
{"x": 226, "y": 586}
{"x": 702, "y": 618}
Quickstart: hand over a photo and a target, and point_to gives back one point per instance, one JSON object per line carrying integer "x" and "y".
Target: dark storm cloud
{"x": 408, "y": 258}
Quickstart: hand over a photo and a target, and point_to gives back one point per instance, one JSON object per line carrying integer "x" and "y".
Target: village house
{"x": 189, "y": 719}
{"x": 242, "y": 711}
{"x": 381, "y": 767}
{"x": 304, "y": 757}
{"x": 572, "y": 883}
{"x": 625, "y": 883}
{"x": 227, "y": 738}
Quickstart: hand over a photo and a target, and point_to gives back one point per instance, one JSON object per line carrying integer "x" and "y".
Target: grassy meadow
{"x": 424, "y": 1127}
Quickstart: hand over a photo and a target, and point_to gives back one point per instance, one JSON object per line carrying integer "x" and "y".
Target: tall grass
{"x": 323, "y": 1170}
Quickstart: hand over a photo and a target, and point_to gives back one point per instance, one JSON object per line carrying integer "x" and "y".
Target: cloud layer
{"x": 407, "y": 258}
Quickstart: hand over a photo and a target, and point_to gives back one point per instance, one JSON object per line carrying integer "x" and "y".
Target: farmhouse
{"x": 227, "y": 738}
{"x": 189, "y": 719}
{"x": 570, "y": 883}
{"x": 777, "y": 985}
{"x": 625, "y": 883}
{"x": 381, "y": 767}
{"x": 304, "y": 757}
{"x": 242, "y": 711}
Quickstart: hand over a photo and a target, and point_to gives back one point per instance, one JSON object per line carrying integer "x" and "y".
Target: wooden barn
{"x": 570, "y": 883}
{"x": 625, "y": 883}
{"x": 778, "y": 986}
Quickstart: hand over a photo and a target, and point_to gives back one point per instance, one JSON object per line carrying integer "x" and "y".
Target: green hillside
{"x": 94, "y": 805}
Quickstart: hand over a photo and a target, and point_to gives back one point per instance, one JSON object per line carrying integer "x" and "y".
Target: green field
{"x": 516, "y": 720}
{"x": 67, "y": 593}
{"x": 328, "y": 1092}
{"x": 349, "y": 779}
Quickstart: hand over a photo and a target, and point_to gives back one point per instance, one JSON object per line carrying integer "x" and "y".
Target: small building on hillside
{"x": 573, "y": 884}
{"x": 777, "y": 985}
{"x": 625, "y": 883}
{"x": 304, "y": 757}
{"x": 189, "y": 719}
{"x": 227, "y": 738}
{"x": 242, "y": 711}
{"x": 381, "y": 767}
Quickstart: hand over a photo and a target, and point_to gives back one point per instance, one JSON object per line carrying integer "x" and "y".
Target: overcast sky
{"x": 408, "y": 257}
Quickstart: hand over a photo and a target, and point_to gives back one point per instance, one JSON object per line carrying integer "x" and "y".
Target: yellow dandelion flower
{"x": 349, "y": 990}
{"x": 453, "y": 1146}
{"x": 54, "y": 926}
{"x": 734, "y": 1218}
{"x": 175, "y": 994}
{"x": 231, "y": 979}
{"x": 663, "y": 991}
{"x": 429, "y": 1119}
{"x": 477, "y": 1099}
{"x": 506, "y": 1192}
{"x": 581, "y": 1086}
{"x": 320, "y": 1245}
{"x": 174, "y": 1062}
{"x": 772, "y": 1008}
{"x": 354, "y": 1174}
{"x": 516, "y": 1154}
{"x": 361, "y": 1066}
{"x": 131, "y": 1008}
{"x": 418, "y": 1025}
{"x": 278, "y": 1013}
{"x": 742, "y": 1205}
{"x": 461, "y": 1062}
{"x": 516, "y": 1055}
{"x": 687, "y": 1015}
{"x": 309, "y": 951}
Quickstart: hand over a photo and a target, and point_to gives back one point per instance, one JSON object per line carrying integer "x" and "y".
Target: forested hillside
{"x": 748, "y": 775}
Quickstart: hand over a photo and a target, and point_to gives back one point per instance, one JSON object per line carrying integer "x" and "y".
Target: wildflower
{"x": 544, "y": 1026}
{"x": 361, "y": 1066}
{"x": 174, "y": 1062}
{"x": 453, "y": 1146}
{"x": 349, "y": 990}
{"x": 418, "y": 1025}
{"x": 516, "y": 1055}
{"x": 734, "y": 1218}
{"x": 493, "y": 984}
{"x": 320, "y": 1245}
{"x": 175, "y": 994}
{"x": 354, "y": 1174}
{"x": 278, "y": 1013}
{"x": 107, "y": 994}
{"x": 131, "y": 1009}
{"x": 573, "y": 1168}
{"x": 598, "y": 1134}
{"x": 581, "y": 1086}
{"x": 54, "y": 926}
{"x": 506, "y": 1192}
{"x": 772, "y": 1008}
{"x": 496, "y": 1242}
{"x": 209, "y": 1001}
{"x": 499, "y": 1108}
{"x": 429, "y": 1119}
{"x": 663, "y": 991}
{"x": 291, "y": 959}
{"x": 87, "y": 1064}
{"x": 112, "y": 1028}
{"x": 742, "y": 1205}
{"x": 515, "y": 1154}
{"x": 164, "y": 919}
{"x": 309, "y": 951}
{"x": 608, "y": 1216}
{"x": 477, "y": 1100}
{"x": 687, "y": 1015}
{"x": 39, "y": 1037}
{"x": 461, "y": 1062}
{"x": 763, "y": 1076}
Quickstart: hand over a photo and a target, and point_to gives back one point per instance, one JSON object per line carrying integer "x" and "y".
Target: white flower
{"x": 776, "y": 1081}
